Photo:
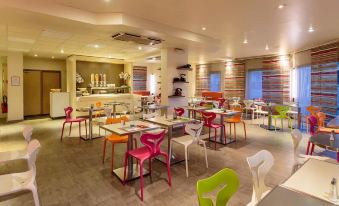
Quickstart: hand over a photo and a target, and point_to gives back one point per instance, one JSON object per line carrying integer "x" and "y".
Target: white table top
{"x": 120, "y": 129}
{"x": 314, "y": 178}
{"x": 222, "y": 112}
{"x": 169, "y": 121}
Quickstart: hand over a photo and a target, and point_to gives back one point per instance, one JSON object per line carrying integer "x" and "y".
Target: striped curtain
{"x": 202, "y": 79}
{"x": 276, "y": 79}
{"x": 324, "y": 77}
{"x": 139, "y": 78}
{"x": 235, "y": 79}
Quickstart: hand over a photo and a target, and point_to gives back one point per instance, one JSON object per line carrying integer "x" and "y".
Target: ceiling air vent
{"x": 136, "y": 39}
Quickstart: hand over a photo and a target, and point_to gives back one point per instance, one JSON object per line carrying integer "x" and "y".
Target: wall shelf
{"x": 175, "y": 96}
{"x": 180, "y": 82}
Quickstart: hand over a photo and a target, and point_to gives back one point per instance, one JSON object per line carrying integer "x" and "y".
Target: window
{"x": 215, "y": 78}
{"x": 254, "y": 84}
{"x": 301, "y": 87}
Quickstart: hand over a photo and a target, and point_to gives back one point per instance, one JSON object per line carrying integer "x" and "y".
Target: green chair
{"x": 282, "y": 114}
{"x": 226, "y": 178}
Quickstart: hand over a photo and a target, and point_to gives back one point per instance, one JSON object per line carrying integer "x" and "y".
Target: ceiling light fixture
{"x": 62, "y": 51}
{"x": 311, "y": 29}
{"x": 267, "y": 48}
{"x": 35, "y": 55}
{"x": 52, "y": 57}
{"x": 203, "y": 28}
{"x": 96, "y": 46}
{"x": 245, "y": 41}
{"x": 154, "y": 58}
{"x": 107, "y": 0}
{"x": 139, "y": 47}
{"x": 281, "y": 6}
{"x": 109, "y": 56}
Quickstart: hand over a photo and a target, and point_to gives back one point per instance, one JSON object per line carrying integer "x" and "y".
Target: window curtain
{"x": 254, "y": 85}
{"x": 301, "y": 86}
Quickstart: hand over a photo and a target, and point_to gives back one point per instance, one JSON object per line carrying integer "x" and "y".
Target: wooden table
{"x": 90, "y": 111}
{"x": 154, "y": 107}
{"x": 119, "y": 129}
{"x": 222, "y": 113}
{"x": 169, "y": 122}
{"x": 309, "y": 185}
{"x": 334, "y": 123}
{"x": 323, "y": 140}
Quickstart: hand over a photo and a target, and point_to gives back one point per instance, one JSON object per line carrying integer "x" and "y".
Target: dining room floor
{"x": 70, "y": 173}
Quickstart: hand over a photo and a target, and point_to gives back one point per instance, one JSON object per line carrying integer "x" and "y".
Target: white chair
{"x": 300, "y": 159}
{"x": 260, "y": 112}
{"x": 27, "y": 133}
{"x": 260, "y": 164}
{"x": 194, "y": 131}
{"x": 248, "y": 106}
{"x": 23, "y": 181}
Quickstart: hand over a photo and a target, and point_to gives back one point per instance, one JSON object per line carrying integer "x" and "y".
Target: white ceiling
{"x": 179, "y": 22}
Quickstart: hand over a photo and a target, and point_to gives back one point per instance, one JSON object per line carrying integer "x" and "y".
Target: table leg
{"x": 90, "y": 122}
{"x": 269, "y": 125}
{"x": 189, "y": 113}
{"x": 114, "y": 111}
{"x": 222, "y": 134}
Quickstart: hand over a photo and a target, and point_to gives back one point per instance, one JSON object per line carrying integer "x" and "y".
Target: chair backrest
{"x": 296, "y": 137}
{"x": 153, "y": 141}
{"x": 321, "y": 116}
{"x": 226, "y": 179}
{"x": 313, "y": 110}
{"x": 260, "y": 164}
{"x": 313, "y": 123}
{"x": 248, "y": 103}
{"x": 208, "y": 117}
{"x": 194, "y": 130}
{"x": 116, "y": 120}
{"x": 179, "y": 111}
{"x": 68, "y": 112}
{"x": 282, "y": 110}
{"x": 27, "y": 133}
{"x": 238, "y": 115}
{"x": 32, "y": 149}
{"x": 108, "y": 112}
{"x": 221, "y": 102}
{"x": 150, "y": 115}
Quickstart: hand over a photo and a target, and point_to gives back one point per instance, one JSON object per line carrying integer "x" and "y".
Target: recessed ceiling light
{"x": 139, "y": 47}
{"x": 151, "y": 43}
{"x": 35, "y": 55}
{"x": 267, "y": 48}
{"x": 311, "y": 29}
{"x": 62, "y": 51}
{"x": 96, "y": 46}
{"x": 281, "y": 6}
{"x": 107, "y": 0}
{"x": 109, "y": 56}
{"x": 52, "y": 57}
{"x": 203, "y": 28}
{"x": 154, "y": 58}
{"x": 245, "y": 41}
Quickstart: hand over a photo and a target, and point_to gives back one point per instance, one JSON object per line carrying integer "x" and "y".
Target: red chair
{"x": 68, "y": 119}
{"x": 312, "y": 120}
{"x": 208, "y": 118}
{"x": 221, "y": 102}
{"x": 151, "y": 149}
{"x": 179, "y": 111}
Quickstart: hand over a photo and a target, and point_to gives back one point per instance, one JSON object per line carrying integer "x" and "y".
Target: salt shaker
{"x": 334, "y": 196}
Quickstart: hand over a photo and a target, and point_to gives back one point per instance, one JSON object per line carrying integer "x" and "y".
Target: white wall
{"x": 15, "y": 93}
{"x": 49, "y": 65}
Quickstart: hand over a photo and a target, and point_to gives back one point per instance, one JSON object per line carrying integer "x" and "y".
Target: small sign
{"x": 15, "y": 81}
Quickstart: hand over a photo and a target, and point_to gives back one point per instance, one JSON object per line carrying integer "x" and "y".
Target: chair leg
{"x": 235, "y": 133}
{"x": 209, "y": 134}
{"x": 170, "y": 152}
{"x": 186, "y": 160}
{"x": 141, "y": 181}
{"x": 245, "y": 130}
{"x": 338, "y": 157}
{"x": 86, "y": 128}
{"x": 168, "y": 170}
{"x": 230, "y": 130}
{"x": 312, "y": 149}
{"x": 150, "y": 166}
{"x": 282, "y": 124}
{"x": 275, "y": 124}
{"x": 62, "y": 131}
{"x": 70, "y": 129}
{"x": 79, "y": 132}
{"x": 308, "y": 147}
{"x": 35, "y": 196}
{"x": 112, "y": 162}
{"x": 215, "y": 139}
{"x": 104, "y": 151}
{"x": 204, "y": 144}
{"x": 224, "y": 127}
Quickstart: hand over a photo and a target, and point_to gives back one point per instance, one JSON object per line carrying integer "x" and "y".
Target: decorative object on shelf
{"x": 124, "y": 76}
{"x": 185, "y": 67}
{"x": 178, "y": 92}
{"x": 96, "y": 77}
{"x": 79, "y": 78}
{"x": 181, "y": 79}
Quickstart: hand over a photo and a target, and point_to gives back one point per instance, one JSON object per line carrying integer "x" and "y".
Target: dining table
{"x": 155, "y": 107}
{"x": 310, "y": 185}
{"x": 130, "y": 129}
{"x": 169, "y": 122}
{"x": 91, "y": 109}
{"x": 223, "y": 113}
{"x": 323, "y": 140}
{"x": 334, "y": 123}
{"x": 192, "y": 110}
{"x": 114, "y": 105}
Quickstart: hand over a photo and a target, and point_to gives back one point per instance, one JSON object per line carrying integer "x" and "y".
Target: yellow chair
{"x": 282, "y": 114}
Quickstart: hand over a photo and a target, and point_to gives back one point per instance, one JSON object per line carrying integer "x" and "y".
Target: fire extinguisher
{"x": 4, "y": 107}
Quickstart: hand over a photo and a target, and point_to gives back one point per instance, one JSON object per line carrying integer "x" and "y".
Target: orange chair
{"x": 115, "y": 139}
{"x": 313, "y": 110}
{"x": 234, "y": 120}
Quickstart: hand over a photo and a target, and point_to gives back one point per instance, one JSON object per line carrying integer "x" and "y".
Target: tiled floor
{"x": 70, "y": 173}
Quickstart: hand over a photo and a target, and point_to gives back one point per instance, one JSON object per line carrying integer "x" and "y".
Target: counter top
{"x": 105, "y": 96}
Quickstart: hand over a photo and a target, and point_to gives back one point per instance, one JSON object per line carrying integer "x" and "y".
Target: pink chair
{"x": 208, "y": 118}
{"x": 221, "y": 102}
{"x": 151, "y": 149}
{"x": 68, "y": 119}
{"x": 179, "y": 111}
{"x": 313, "y": 123}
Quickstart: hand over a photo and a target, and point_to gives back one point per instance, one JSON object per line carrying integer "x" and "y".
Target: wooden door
{"x": 32, "y": 92}
{"x": 50, "y": 80}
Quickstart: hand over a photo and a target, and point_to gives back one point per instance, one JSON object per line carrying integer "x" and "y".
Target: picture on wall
{"x": 15, "y": 81}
